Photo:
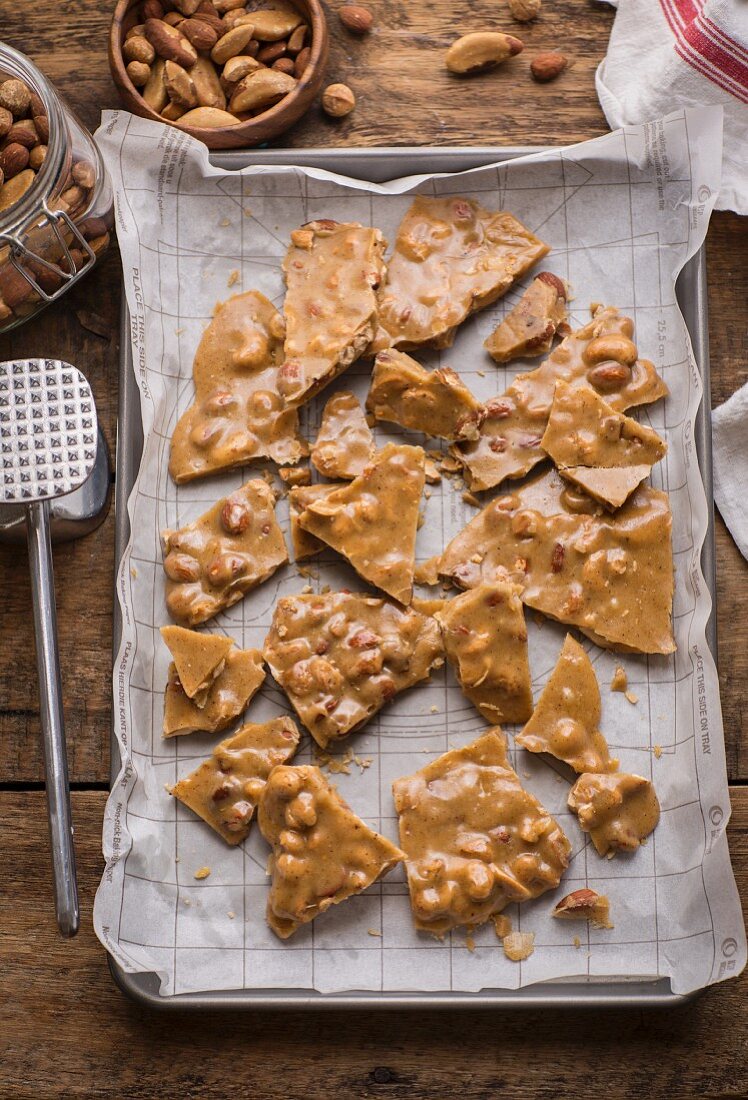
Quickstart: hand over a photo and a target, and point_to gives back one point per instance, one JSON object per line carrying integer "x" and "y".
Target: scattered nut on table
{"x": 356, "y": 19}
{"x": 547, "y": 66}
{"x": 481, "y": 50}
{"x": 192, "y": 64}
{"x": 524, "y": 11}
{"x": 338, "y": 100}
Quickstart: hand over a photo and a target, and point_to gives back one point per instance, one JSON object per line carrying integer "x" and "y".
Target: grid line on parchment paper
{"x": 179, "y": 500}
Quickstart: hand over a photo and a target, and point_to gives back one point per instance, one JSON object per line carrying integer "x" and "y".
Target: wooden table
{"x": 63, "y": 1024}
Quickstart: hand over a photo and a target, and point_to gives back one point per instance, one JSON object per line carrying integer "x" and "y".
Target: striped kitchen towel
{"x": 665, "y": 54}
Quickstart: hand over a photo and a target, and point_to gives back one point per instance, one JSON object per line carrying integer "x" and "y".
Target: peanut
{"x": 481, "y": 50}
{"x": 338, "y": 100}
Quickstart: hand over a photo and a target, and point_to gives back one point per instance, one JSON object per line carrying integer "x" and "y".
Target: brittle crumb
{"x": 519, "y": 945}
{"x": 202, "y": 872}
{"x": 233, "y": 278}
{"x": 620, "y": 680}
{"x": 231, "y": 914}
{"x": 470, "y": 941}
{"x": 225, "y": 222}
{"x": 502, "y": 925}
{"x": 657, "y": 750}
{"x": 373, "y": 932}
{"x": 577, "y": 942}
{"x": 633, "y": 699}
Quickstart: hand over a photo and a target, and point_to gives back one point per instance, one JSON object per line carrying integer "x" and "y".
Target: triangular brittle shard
{"x": 229, "y": 693}
{"x": 604, "y": 452}
{"x": 566, "y": 719}
{"x": 225, "y": 789}
{"x": 332, "y": 270}
{"x": 341, "y": 657}
{"x": 610, "y": 575}
{"x": 238, "y": 414}
{"x": 435, "y": 402}
{"x": 486, "y": 639}
{"x": 197, "y": 657}
{"x": 373, "y": 521}
{"x": 345, "y": 444}
{"x": 322, "y": 852}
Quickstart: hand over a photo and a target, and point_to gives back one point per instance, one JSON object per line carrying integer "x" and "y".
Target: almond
{"x": 609, "y": 376}
{"x": 284, "y": 65}
{"x": 356, "y": 19}
{"x": 14, "y": 288}
{"x": 202, "y": 35}
{"x": 23, "y": 132}
{"x": 547, "y": 66}
{"x": 222, "y": 6}
{"x": 207, "y": 14}
{"x": 187, "y": 7}
{"x": 553, "y": 281}
{"x": 170, "y": 44}
{"x": 270, "y": 53}
{"x": 42, "y": 128}
{"x": 152, "y": 9}
{"x": 6, "y": 121}
{"x": 13, "y": 159}
{"x": 297, "y": 39}
{"x": 301, "y": 62}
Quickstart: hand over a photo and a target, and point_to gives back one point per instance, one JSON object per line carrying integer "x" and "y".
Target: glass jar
{"x": 56, "y": 203}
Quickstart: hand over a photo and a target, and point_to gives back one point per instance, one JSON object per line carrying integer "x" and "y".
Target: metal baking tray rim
{"x": 378, "y": 165}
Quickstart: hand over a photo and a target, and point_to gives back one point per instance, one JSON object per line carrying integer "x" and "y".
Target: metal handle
{"x": 53, "y": 729}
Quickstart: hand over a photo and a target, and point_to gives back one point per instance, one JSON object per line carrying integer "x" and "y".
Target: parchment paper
{"x": 623, "y": 213}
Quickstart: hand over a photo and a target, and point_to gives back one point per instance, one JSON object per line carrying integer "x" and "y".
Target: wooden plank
{"x": 405, "y": 97}
{"x": 66, "y": 1030}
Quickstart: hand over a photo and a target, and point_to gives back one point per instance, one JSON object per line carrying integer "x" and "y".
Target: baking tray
{"x": 379, "y": 165}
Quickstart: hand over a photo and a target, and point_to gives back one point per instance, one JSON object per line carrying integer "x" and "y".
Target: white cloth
{"x": 666, "y": 54}
{"x": 730, "y": 461}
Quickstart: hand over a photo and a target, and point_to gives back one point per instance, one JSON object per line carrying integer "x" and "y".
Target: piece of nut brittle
{"x": 474, "y": 839}
{"x": 618, "y": 811}
{"x": 332, "y": 271}
{"x": 341, "y": 657}
{"x": 451, "y": 258}
{"x": 485, "y": 638}
{"x": 226, "y": 697}
{"x": 610, "y": 575}
{"x": 584, "y": 904}
{"x": 372, "y": 521}
{"x": 212, "y": 563}
{"x": 238, "y": 415}
{"x": 322, "y": 852}
{"x": 529, "y": 328}
{"x": 198, "y": 658}
{"x": 601, "y": 354}
{"x": 566, "y": 719}
{"x": 434, "y": 402}
{"x": 224, "y": 790}
{"x": 345, "y": 445}
{"x": 603, "y": 452}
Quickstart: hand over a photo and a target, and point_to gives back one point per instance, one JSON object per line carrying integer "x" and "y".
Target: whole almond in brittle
{"x": 332, "y": 271}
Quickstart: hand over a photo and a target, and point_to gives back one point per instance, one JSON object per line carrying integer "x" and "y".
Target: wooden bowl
{"x": 253, "y": 131}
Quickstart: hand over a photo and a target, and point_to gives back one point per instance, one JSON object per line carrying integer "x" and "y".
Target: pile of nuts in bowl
{"x": 213, "y": 63}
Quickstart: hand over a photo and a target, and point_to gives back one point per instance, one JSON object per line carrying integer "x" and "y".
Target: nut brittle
{"x": 486, "y": 639}
{"x": 340, "y": 657}
{"x": 451, "y": 258}
{"x": 603, "y": 452}
{"x": 213, "y": 562}
{"x": 345, "y": 444}
{"x": 435, "y": 402}
{"x": 305, "y": 545}
{"x": 473, "y": 838}
{"x": 566, "y": 719}
{"x": 530, "y": 327}
{"x": 585, "y": 904}
{"x": 224, "y": 790}
{"x": 322, "y": 852}
{"x": 610, "y": 575}
{"x": 332, "y": 270}
{"x": 227, "y": 696}
{"x": 618, "y": 811}
{"x": 238, "y": 414}
{"x": 373, "y": 520}
{"x": 601, "y": 354}
{"x": 198, "y": 658}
